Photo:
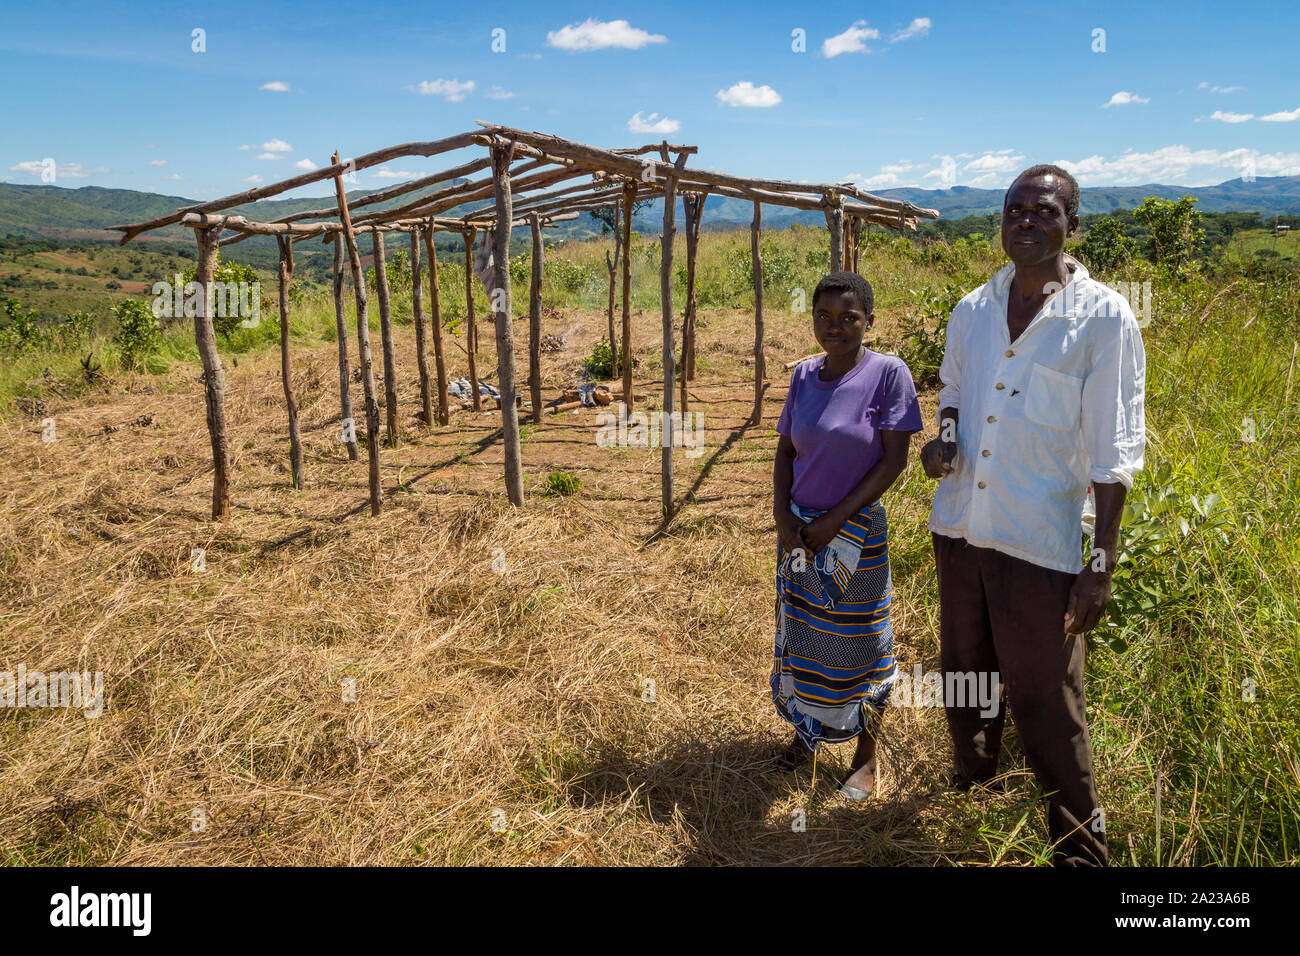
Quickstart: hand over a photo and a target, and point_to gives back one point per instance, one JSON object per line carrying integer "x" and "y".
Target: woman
{"x": 844, "y": 434}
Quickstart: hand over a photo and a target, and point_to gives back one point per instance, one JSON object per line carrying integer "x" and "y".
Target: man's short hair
{"x": 847, "y": 282}
{"x": 1047, "y": 169}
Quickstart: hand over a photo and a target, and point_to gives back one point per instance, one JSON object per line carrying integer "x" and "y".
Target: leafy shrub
{"x": 139, "y": 333}
{"x": 1105, "y": 246}
{"x": 922, "y": 349}
{"x": 600, "y": 363}
{"x": 559, "y": 483}
{"x": 21, "y": 329}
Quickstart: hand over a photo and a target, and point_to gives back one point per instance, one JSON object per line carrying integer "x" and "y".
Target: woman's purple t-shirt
{"x": 836, "y": 426}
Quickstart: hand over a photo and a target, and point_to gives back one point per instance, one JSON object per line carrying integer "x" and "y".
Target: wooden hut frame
{"x": 534, "y": 181}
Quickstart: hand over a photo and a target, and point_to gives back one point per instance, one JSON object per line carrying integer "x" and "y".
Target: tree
{"x": 1105, "y": 245}
{"x": 1175, "y": 226}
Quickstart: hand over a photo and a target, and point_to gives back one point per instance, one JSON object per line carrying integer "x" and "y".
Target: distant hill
{"x": 57, "y": 212}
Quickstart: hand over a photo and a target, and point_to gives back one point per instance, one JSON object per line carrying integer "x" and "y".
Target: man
{"x": 1043, "y": 380}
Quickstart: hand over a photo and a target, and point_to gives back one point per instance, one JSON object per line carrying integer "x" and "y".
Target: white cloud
{"x": 1289, "y": 116}
{"x": 306, "y": 165}
{"x": 277, "y": 146}
{"x": 1205, "y": 85}
{"x": 275, "y": 86}
{"x": 174, "y": 176}
{"x": 1223, "y": 117}
{"x": 245, "y": 146}
{"x": 268, "y": 156}
{"x": 1179, "y": 166}
{"x": 157, "y": 162}
{"x": 1124, "y": 98}
{"x": 497, "y": 93}
{"x": 254, "y": 179}
{"x": 35, "y": 167}
{"x": 383, "y": 172}
{"x": 917, "y": 28}
{"x": 453, "y": 91}
{"x": 594, "y": 34}
{"x": 747, "y": 94}
{"x": 851, "y": 40}
{"x": 890, "y": 175}
{"x": 652, "y": 124}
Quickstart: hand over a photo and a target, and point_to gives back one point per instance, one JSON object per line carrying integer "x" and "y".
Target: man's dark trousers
{"x": 999, "y": 614}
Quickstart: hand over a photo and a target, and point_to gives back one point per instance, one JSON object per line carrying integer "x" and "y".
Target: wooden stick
{"x": 439, "y": 361}
{"x": 333, "y": 171}
{"x": 835, "y": 223}
{"x": 417, "y": 312}
{"x": 760, "y": 364}
{"x": 790, "y": 365}
{"x": 535, "y": 319}
{"x": 349, "y": 434}
{"x": 214, "y": 376}
{"x": 363, "y": 344}
{"x": 693, "y": 207}
{"x": 669, "y": 358}
{"x": 386, "y": 337}
{"x": 629, "y": 199}
{"x": 611, "y": 263}
{"x": 501, "y": 306}
{"x": 471, "y": 335}
{"x": 295, "y": 440}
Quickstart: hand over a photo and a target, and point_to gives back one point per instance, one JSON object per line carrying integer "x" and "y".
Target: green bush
{"x": 600, "y": 363}
{"x": 921, "y": 348}
{"x": 559, "y": 483}
{"x": 139, "y": 333}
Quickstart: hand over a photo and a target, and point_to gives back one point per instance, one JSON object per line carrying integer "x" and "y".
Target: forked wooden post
{"x": 760, "y": 364}
{"x": 835, "y": 222}
{"x": 386, "y": 336}
{"x": 295, "y": 440}
{"x": 435, "y": 323}
{"x": 471, "y": 334}
{"x": 214, "y": 376}
{"x": 629, "y": 200}
{"x": 363, "y": 344}
{"x": 669, "y": 358}
{"x": 417, "y": 312}
{"x": 535, "y": 319}
{"x": 502, "y": 156}
{"x": 348, "y": 426}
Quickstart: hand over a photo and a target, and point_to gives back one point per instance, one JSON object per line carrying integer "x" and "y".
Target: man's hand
{"x": 1088, "y": 599}
{"x": 937, "y": 457}
{"x": 820, "y": 532}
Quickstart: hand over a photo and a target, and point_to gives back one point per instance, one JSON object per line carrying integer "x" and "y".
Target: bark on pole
{"x": 295, "y": 439}
{"x": 386, "y": 337}
{"x": 417, "y": 311}
{"x": 214, "y": 376}
{"x": 435, "y": 321}
{"x": 471, "y": 335}
{"x": 760, "y": 364}
{"x": 363, "y": 344}
{"x": 535, "y": 320}
{"x": 348, "y": 426}
{"x": 611, "y": 263}
{"x": 629, "y": 199}
{"x": 501, "y": 306}
{"x": 835, "y": 219}
{"x": 669, "y": 358}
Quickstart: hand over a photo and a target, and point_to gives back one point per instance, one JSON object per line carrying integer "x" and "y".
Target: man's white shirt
{"x": 1040, "y": 418}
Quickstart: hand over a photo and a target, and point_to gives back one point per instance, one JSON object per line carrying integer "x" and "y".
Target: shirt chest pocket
{"x": 1053, "y": 399}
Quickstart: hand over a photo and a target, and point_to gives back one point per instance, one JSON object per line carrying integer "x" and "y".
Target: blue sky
{"x": 888, "y": 94}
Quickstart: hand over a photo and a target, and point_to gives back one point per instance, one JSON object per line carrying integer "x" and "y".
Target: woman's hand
{"x": 790, "y": 530}
{"x": 821, "y": 531}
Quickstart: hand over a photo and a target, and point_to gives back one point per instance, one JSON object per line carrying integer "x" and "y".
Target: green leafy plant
{"x": 922, "y": 347}
{"x": 1106, "y": 246}
{"x": 600, "y": 363}
{"x": 139, "y": 333}
{"x": 560, "y": 483}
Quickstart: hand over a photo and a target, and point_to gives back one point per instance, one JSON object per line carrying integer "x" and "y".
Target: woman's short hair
{"x": 847, "y": 282}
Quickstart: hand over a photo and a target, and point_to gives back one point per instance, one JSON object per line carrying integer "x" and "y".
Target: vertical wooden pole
{"x": 856, "y": 233}
{"x": 835, "y": 220}
{"x": 386, "y": 336}
{"x": 669, "y": 359}
{"x": 471, "y": 336}
{"x": 214, "y": 376}
{"x": 363, "y": 344}
{"x": 417, "y": 311}
{"x": 760, "y": 364}
{"x": 629, "y": 199}
{"x": 611, "y": 263}
{"x": 535, "y": 319}
{"x": 693, "y": 208}
{"x": 501, "y": 306}
{"x": 348, "y": 426}
{"x": 295, "y": 440}
{"x": 435, "y": 322}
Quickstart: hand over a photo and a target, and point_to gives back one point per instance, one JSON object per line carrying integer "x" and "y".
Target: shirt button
{"x": 1010, "y": 352}
{"x": 999, "y": 386}
{"x": 985, "y": 453}
{"x": 991, "y": 419}
{"x": 982, "y": 485}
